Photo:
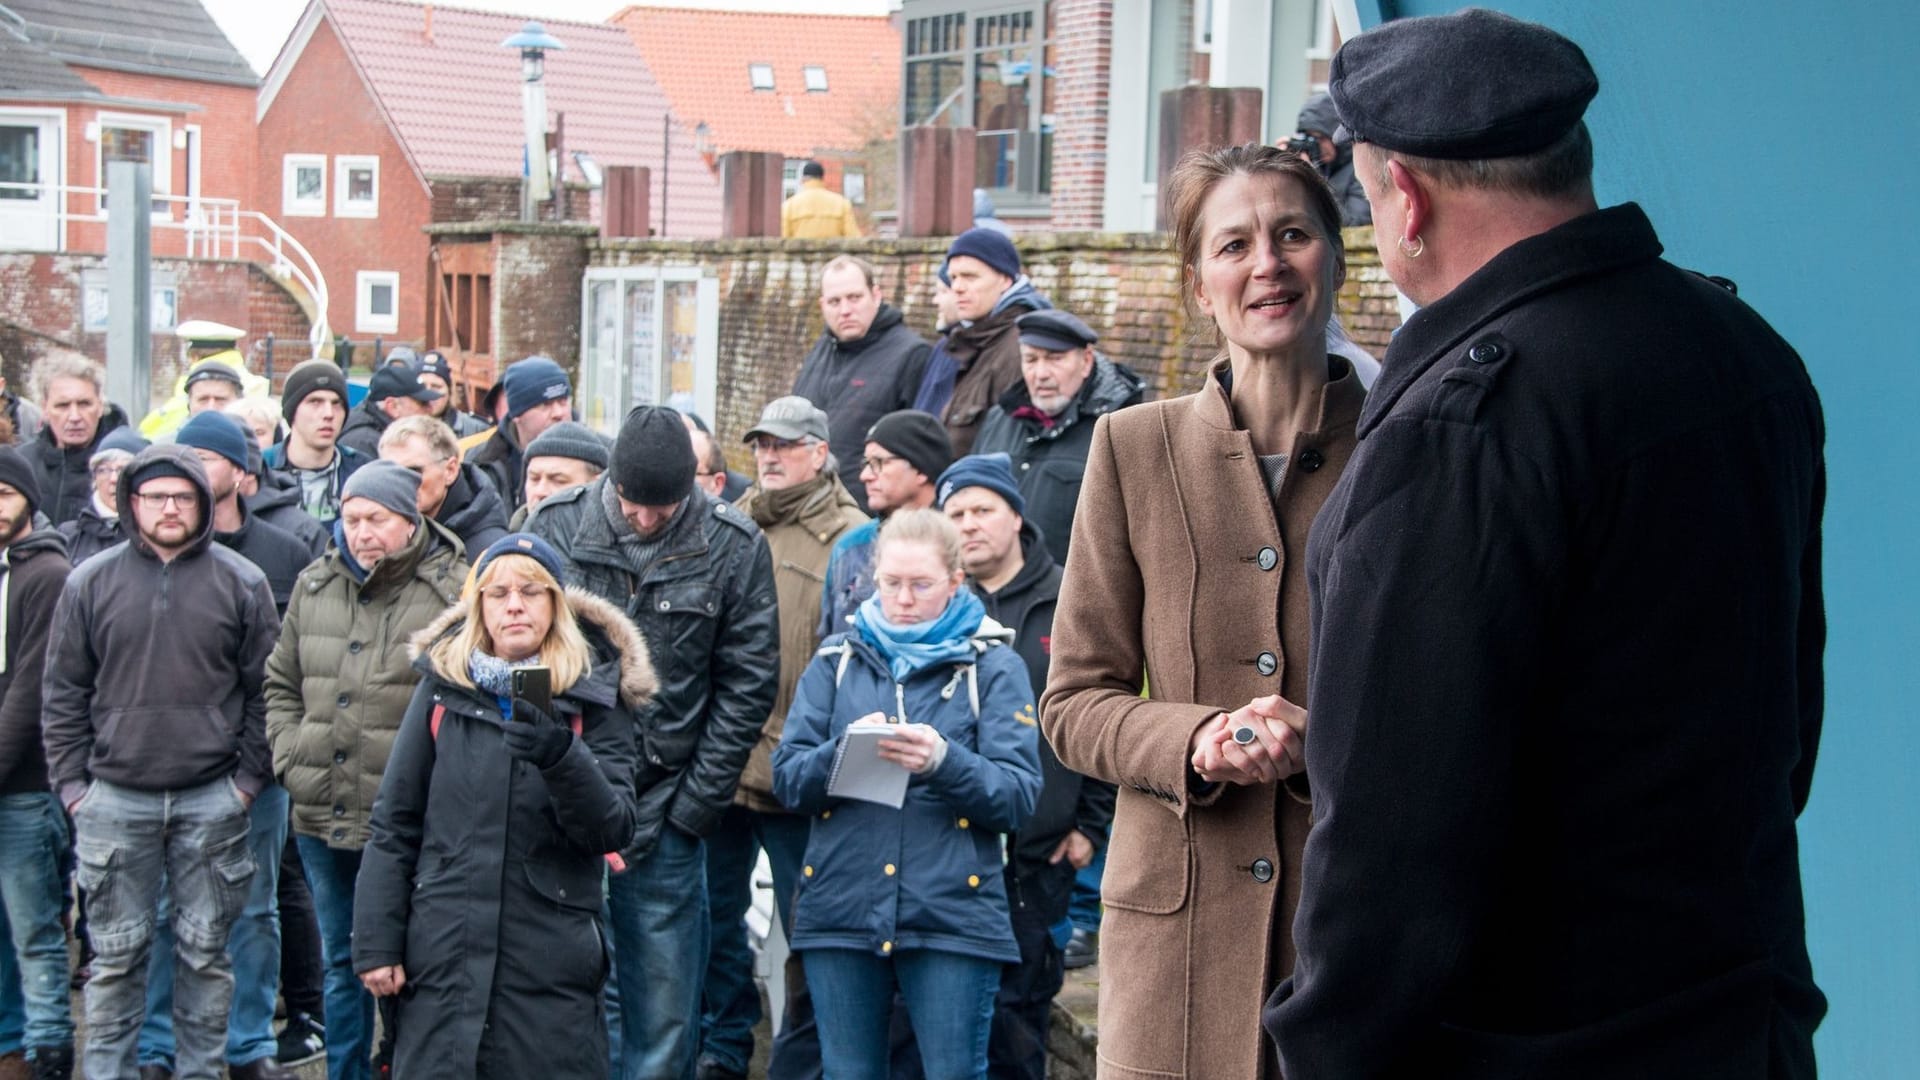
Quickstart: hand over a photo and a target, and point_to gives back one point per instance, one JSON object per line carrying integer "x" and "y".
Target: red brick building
{"x": 379, "y": 118}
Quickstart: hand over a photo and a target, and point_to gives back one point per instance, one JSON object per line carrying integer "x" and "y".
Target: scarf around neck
{"x": 495, "y": 676}
{"x": 918, "y": 646}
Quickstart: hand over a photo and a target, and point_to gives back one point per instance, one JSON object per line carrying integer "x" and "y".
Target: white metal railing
{"x": 210, "y": 228}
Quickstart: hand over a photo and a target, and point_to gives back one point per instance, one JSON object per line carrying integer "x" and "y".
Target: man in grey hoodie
{"x": 154, "y": 725}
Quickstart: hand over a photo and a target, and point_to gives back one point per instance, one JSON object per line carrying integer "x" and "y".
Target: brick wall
{"x": 1126, "y": 286}
{"x": 536, "y": 288}
{"x": 1083, "y": 49}
{"x": 41, "y": 297}
{"x": 495, "y": 198}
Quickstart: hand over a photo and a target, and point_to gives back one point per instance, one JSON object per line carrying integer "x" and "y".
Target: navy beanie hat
{"x": 991, "y": 471}
{"x": 527, "y": 544}
{"x": 218, "y": 432}
{"x": 533, "y": 381}
{"x": 989, "y": 247}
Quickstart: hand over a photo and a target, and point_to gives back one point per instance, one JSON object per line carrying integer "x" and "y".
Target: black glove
{"x": 533, "y": 736}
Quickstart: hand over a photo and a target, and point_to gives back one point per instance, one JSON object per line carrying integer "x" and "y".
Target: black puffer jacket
{"x": 66, "y": 485}
{"x": 707, "y": 606}
{"x": 473, "y": 511}
{"x": 857, "y": 382}
{"x": 89, "y": 534}
{"x": 1050, "y": 461}
{"x": 365, "y": 424}
{"x": 481, "y": 875}
{"x": 278, "y": 553}
{"x": 277, "y": 502}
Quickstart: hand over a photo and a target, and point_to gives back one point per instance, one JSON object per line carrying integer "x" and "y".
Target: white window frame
{"x": 352, "y": 208}
{"x": 1321, "y": 48}
{"x": 291, "y": 204}
{"x": 162, "y": 129}
{"x": 603, "y": 405}
{"x": 814, "y": 73}
{"x": 364, "y": 320}
{"x": 753, "y": 77}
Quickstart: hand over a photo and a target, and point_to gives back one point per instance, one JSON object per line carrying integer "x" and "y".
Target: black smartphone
{"x": 535, "y": 686}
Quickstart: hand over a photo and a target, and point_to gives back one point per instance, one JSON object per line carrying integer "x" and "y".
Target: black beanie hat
{"x": 916, "y": 436}
{"x": 17, "y": 473}
{"x": 653, "y": 457}
{"x": 307, "y": 378}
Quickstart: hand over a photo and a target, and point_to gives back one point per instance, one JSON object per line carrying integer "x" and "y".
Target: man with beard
{"x": 696, "y": 577}
{"x": 865, "y": 365}
{"x": 803, "y": 508}
{"x": 314, "y": 402}
{"x": 454, "y": 493}
{"x": 436, "y": 374}
{"x": 156, "y": 744}
{"x": 1009, "y": 568}
{"x": 76, "y": 417}
{"x": 254, "y": 945}
{"x": 33, "y": 832}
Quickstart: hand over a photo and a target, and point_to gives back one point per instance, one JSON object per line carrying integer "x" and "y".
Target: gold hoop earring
{"x": 1413, "y": 250}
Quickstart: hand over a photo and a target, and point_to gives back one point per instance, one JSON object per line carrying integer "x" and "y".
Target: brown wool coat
{"x": 1171, "y": 581}
{"x": 800, "y": 545}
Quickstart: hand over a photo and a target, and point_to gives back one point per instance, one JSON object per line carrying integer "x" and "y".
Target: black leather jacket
{"x": 707, "y": 607}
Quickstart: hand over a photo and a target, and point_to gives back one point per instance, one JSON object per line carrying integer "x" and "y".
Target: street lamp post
{"x": 533, "y": 41}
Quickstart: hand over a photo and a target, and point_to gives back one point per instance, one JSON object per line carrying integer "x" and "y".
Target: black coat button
{"x": 1262, "y": 871}
{"x": 1311, "y": 459}
{"x": 339, "y": 757}
{"x": 1266, "y": 663}
{"x": 1268, "y": 558}
{"x": 1485, "y": 352}
{"x": 341, "y": 701}
{"x": 353, "y": 646}
{"x": 339, "y": 811}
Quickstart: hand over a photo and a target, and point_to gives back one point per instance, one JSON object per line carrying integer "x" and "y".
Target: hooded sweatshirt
{"x": 32, "y": 571}
{"x": 155, "y": 669}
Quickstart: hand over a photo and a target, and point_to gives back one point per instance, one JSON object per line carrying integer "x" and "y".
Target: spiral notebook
{"x": 859, "y": 772}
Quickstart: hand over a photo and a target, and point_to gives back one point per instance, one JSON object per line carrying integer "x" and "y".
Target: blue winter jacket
{"x": 928, "y": 875}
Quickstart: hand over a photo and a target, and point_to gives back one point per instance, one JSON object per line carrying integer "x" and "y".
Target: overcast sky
{"x": 258, "y": 27}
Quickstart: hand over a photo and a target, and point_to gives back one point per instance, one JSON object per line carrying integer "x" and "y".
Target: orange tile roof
{"x": 701, "y": 58}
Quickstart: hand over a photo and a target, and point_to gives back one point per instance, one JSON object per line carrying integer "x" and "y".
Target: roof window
{"x": 816, "y": 77}
{"x": 761, "y": 75}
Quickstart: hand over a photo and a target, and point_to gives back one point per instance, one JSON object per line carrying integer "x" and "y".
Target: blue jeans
{"x": 949, "y": 998}
{"x": 657, "y": 911}
{"x": 1085, "y": 910}
{"x": 33, "y": 985}
{"x": 331, "y": 873}
{"x": 732, "y": 1001}
{"x": 133, "y": 846}
{"x": 253, "y": 947}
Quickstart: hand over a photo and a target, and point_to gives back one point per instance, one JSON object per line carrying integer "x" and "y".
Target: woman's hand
{"x": 1278, "y": 749}
{"x": 384, "y": 981}
{"x": 917, "y": 747}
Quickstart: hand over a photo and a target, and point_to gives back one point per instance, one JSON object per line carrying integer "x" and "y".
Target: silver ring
{"x": 1244, "y": 734}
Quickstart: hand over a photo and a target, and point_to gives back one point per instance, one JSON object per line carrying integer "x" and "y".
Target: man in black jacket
{"x": 33, "y": 832}
{"x": 453, "y": 492}
{"x": 73, "y": 402}
{"x": 156, "y": 744}
{"x": 1018, "y": 581}
{"x": 865, "y": 365}
{"x": 222, "y": 444}
{"x": 1567, "y": 618}
{"x": 537, "y": 395}
{"x": 1044, "y": 422}
{"x": 395, "y": 392}
{"x": 696, "y": 576}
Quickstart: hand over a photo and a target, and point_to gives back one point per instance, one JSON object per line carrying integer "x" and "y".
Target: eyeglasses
{"x": 527, "y": 593}
{"x": 879, "y": 464}
{"x": 763, "y": 443}
{"x": 921, "y": 588}
{"x": 156, "y": 500}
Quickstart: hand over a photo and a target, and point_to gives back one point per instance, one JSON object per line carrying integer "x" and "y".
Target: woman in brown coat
{"x": 1188, "y": 579}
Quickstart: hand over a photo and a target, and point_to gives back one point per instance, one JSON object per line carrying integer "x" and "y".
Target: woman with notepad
{"x": 911, "y": 744}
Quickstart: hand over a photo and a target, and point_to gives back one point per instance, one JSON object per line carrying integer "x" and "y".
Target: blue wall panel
{"x": 1776, "y": 144}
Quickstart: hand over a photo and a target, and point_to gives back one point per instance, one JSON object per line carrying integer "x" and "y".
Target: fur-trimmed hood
{"x": 607, "y": 629}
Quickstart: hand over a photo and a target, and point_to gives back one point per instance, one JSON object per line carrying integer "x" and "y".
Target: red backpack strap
{"x": 433, "y": 724}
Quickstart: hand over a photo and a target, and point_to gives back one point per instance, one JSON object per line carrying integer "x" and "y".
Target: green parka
{"x": 340, "y": 678}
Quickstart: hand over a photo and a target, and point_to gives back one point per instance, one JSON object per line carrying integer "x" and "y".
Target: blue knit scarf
{"x": 918, "y": 646}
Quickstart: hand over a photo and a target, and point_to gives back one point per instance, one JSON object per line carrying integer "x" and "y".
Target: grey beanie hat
{"x": 392, "y": 486}
{"x": 572, "y": 439}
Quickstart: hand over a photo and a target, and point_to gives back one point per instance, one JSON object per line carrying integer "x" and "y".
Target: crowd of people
{"x": 532, "y": 703}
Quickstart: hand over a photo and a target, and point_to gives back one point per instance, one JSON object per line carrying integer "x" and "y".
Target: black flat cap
{"x": 1468, "y": 86}
{"x": 1054, "y": 330}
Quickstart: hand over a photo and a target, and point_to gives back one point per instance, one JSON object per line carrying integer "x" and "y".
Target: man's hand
{"x": 384, "y": 981}
{"x": 1076, "y": 848}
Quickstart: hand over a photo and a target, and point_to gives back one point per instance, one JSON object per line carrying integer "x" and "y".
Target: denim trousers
{"x": 331, "y": 873}
{"x": 132, "y": 846}
{"x": 731, "y": 999}
{"x": 949, "y": 998}
{"x": 35, "y": 1006}
{"x": 657, "y": 911}
{"x": 253, "y": 947}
